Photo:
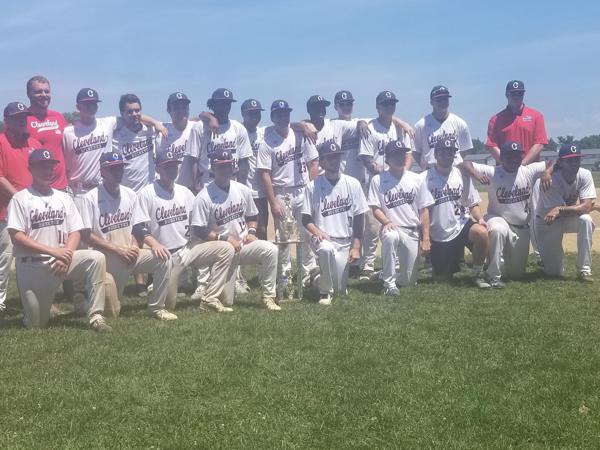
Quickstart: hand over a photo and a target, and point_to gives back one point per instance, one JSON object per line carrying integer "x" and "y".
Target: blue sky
{"x": 272, "y": 49}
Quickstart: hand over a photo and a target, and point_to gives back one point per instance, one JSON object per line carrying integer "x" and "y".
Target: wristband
{"x": 252, "y": 231}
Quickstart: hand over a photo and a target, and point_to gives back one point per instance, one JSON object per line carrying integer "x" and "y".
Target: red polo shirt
{"x": 13, "y": 165}
{"x": 526, "y": 127}
{"x": 48, "y": 131}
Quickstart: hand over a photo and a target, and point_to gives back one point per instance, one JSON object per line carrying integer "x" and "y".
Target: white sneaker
{"x": 163, "y": 314}
{"x": 199, "y": 293}
{"x": 480, "y": 281}
{"x": 270, "y": 304}
{"x": 241, "y": 287}
{"x": 392, "y": 292}
{"x": 218, "y": 307}
{"x": 100, "y": 325}
{"x": 325, "y": 300}
{"x": 54, "y": 311}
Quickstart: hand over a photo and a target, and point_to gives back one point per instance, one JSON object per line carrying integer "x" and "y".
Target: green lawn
{"x": 444, "y": 366}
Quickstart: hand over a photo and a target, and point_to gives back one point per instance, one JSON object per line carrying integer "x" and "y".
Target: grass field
{"x": 443, "y": 366}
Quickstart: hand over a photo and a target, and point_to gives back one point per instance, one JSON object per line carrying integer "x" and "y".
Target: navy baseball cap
{"x": 329, "y": 148}
{"x": 511, "y": 146}
{"x": 14, "y": 108}
{"x": 396, "y": 147}
{"x": 251, "y": 105}
{"x": 222, "y": 94}
{"x": 167, "y": 157}
{"x": 88, "y": 95}
{"x": 177, "y": 97}
{"x": 317, "y": 100}
{"x": 280, "y": 105}
{"x": 446, "y": 144}
{"x": 221, "y": 157}
{"x": 111, "y": 159}
{"x": 386, "y": 97}
{"x": 515, "y": 86}
{"x": 439, "y": 91}
{"x": 343, "y": 96}
{"x": 40, "y": 155}
{"x": 568, "y": 151}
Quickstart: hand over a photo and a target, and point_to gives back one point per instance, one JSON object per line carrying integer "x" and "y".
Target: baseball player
{"x": 225, "y": 211}
{"x": 509, "y": 190}
{"x": 107, "y": 212}
{"x": 440, "y": 125}
{"x": 45, "y": 226}
{"x": 333, "y": 213}
{"x": 381, "y": 131}
{"x": 286, "y": 163}
{"x": 456, "y": 220}
{"x": 161, "y": 219}
{"x": 565, "y": 208}
{"x": 15, "y": 146}
{"x": 400, "y": 199}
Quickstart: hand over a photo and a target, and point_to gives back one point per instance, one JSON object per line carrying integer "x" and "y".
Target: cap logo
{"x": 226, "y": 93}
{"x": 281, "y": 105}
{"x": 514, "y": 146}
{"x": 21, "y": 106}
{"x": 388, "y": 94}
{"x": 332, "y": 147}
{"x": 448, "y": 143}
{"x": 169, "y": 155}
{"x": 179, "y": 95}
{"x": 344, "y": 96}
{"x": 573, "y": 149}
{"x": 319, "y": 98}
{"x": 115, "y": 156}
{"x": 90, "y": 93}
{"x": 515, "y": 84}
{"x": 398, "y": 144}
{"x": 253, "y": 103}
{"x": 46, "y": 154}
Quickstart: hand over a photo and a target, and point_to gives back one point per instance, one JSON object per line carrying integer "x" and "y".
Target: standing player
{"x": 286, "y": 163}
{"x": 15, "y": 146}
{"x": 399, "y": 199}
{"x": 161, "y": 219}
{"x": 440, "y": 125}
{"x": 225, "y": 211}
{"x": 333, "y": 213}
{"x": 565, "y": 208}
{"x": 451, "y": 227}
{"x": 45, "y": 226}
{"x": 509, "y": 192}
{"x": 46, "y": 126}
{"x": 107, "y": 212}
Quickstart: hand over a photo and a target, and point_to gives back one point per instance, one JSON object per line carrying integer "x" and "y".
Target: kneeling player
{"x": 45, "y": 226}
{"x": 333, "y": 213}
{"x": 399, "y": 199}
{"x": 557, "y": 212}
{"x": 225, "y": 211}
{"x": 107, "y": 212}
{"x": 452, "y": 229}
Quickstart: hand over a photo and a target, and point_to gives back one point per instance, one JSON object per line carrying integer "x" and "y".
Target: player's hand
{"x": 425, "y": 246}
{"x": 277, "y": 210}
{"x": 309, "y": 131}
{"x": 59, "y": 268}
{"x": 129, "y": 255}
{"x": 410, "y": 131}
{"x": 160, "y": 128}
{"x": 237, "y": 245}
{"x": 483, "y": 223}
{"x": 250, "y": 238}
{"x": 482, "y": 178}
{"x": 161, "y": 252}
{"x": 546, "y": 180}
{"x": 363, "y": 129}
{"x": 213, "y": 125}
{"x": 320, "y": 236}
{"x": 552, "y": 215}
{"x": 353, "y": 255}
{"x": 389, "y": 227}
{"x": 63, "y": 254}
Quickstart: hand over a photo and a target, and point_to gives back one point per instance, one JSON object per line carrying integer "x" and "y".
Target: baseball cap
{"x": 515, "y": 85}
{"x": 446, "y": 144}
{"x": 316, "y": 100}
{"x": 386, "y": 97}
{"x": 88, "y": 95}
{"x": 41, "y": 155}
{"x": 111, "y": 159}
{"x": 177, "y": 97}
{"x": 280, "y": 105}
{"x": 163, "y": 158}
{"x": 221, "y": 157}
{"x": 223, "y": 94}
{"x": 251, "y": 105}
{"x": 343, "y": 96}
{"x": 568, "y": 151}
{"x": 511, "y": 146}
{"x": 14, "y": 108}
{"x": 329, "y": 148}
{"x": 439, "y": 91}
{"x": 396, "y": 146}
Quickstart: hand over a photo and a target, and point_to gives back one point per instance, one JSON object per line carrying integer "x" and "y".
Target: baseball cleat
{"x": 100, "y": 325}
{"x": 241, "y": 287}
{"x": 480, "y": 282}
{"x": 198, "y": 293}
{"x": 325, "y": 299}
{"x": 496, "y": 284}
{"x": 392, "y": 292}
{"x": 585, "y": 277}
{"x": 163, "y": 314}
{"x": 270, "y": 304}
{"x": 214, "y": 306}
{"x": 366, "y": 275}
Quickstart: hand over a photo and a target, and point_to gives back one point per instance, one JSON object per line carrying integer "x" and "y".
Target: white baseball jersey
{"x": 333, "y": 207}
{"x": 167, "y": 214}
{"x": 400, "y": 199}
{"x": 224, "y": 211}
{"x": 179, "y": 143}
{"x": 453, "y": 195}
{"x": 508, "y": 193}
{"x": 138, "y": 150}
{"x": 256, "y": 185}
{"x": 351, "y": 165}
{"x": 47, "y": 219}
{"x": 563, "y": 194}
{"x": 429, "y": 130}
{"x": 110, "y": 217}
{"x": 380, "y": 136}
{"x": 287, "y": 158}
{"x": 82, "y": 147}
{"x": 232, "y": 136}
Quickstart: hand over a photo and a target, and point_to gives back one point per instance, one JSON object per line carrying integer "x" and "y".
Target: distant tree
{"x": 478, "y": 146}
{"x": 71, "y": 117}
{"x": 592, "y": 141}
{"x": 551, "y": 145}
{"x": 566, "y": 139}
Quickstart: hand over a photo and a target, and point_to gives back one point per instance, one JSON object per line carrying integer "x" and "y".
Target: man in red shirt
{"x": 47, "y": 126}
{"x": 15, "y": 145}
{"x": 519, "y": 123}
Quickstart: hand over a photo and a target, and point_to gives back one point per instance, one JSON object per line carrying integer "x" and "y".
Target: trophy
{"x": 287, "y": 233}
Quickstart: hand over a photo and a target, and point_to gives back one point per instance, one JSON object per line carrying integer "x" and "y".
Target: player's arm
{"x": 244, "y": 169}
{"x": 7, "y": 190}
{"x": 477, "y": 215}
{"x": 64, "y": 254}
{"x": 533, "y": 154}
{"x": 313, "y": 229}
{"x": 425, "y": 245}
{"x": 142, "y": 234}
{"x": 157, "y": 124}
{"x": 276, "y": 207}
{"x": 585, "y": 206}
{"x": 408, "y": 161}
{"x": 358, "y": 225}
{"x": 306, "y": 129}
{"x": 129, "y": 255}
{"x": 404, "y": 126}
{"x": 387, "y": 224}
{"x": 206, "y": 234}
{"x": 211, "y": 121}
{"x": 313, "y": 169}
{"x": 469, "y": 169}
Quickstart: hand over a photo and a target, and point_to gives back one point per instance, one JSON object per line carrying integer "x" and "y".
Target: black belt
{"x": 175, "y": 250}
{"x": 24, "y": 259}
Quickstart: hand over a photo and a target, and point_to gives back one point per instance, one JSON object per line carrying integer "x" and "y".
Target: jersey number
{"x": 62, "y": 238}
{"x": 187, "y": 231}
{"x": 459, "y": 210}
{"x": 302, "y": 167}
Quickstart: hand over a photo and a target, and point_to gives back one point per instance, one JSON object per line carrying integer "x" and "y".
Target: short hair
{"x": 128, "y": 98}
{"x": 39, "y": 79}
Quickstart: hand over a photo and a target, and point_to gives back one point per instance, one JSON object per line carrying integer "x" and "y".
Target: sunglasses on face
{"x": 517, "y": 94}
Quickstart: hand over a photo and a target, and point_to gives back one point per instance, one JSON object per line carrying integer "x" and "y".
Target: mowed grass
{"x": 443, "y": 366}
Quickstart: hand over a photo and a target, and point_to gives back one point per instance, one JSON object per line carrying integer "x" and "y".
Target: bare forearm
{"x": 7, "y": 190}
{"x": 408, "y": 161}
{"x": 533, "y": 154}
{"x": 380, "y": 215}
{"x": 424, "y": 217}
{"x": 73, "y": 240}
{"x": 585, "y": 207}
{"x": 101, "y": 244}
{"x": 495, "y": 152}
{"x": 313, "y": 169}
{"x": 21, "y": 239}
{"x": 476, "y": 213}
{"x": 268, "y": 185}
